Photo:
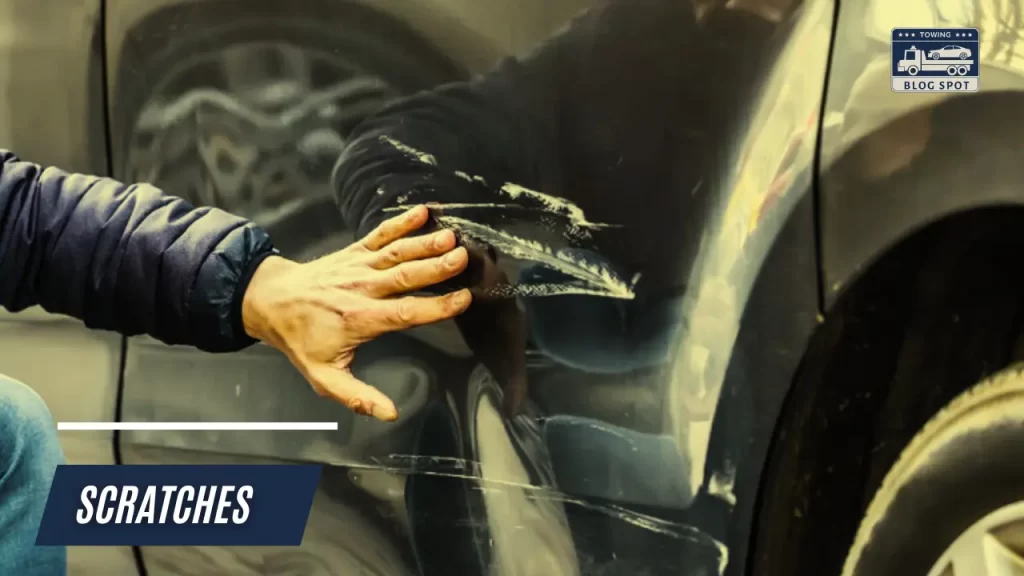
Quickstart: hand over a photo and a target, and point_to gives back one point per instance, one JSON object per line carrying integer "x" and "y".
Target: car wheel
{"x": 953, "y": 504}
{"x": 963, "y": 55}
{"x": 251, "y": 115}
{"x": 912, "y": 70}
{"x": 951, "y": 70}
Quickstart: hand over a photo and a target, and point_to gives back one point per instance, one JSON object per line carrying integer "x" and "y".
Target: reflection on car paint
{"x": 265, "y": 151}
{"x": 536, "y": 512}
{"x": 738, "y": 239}
{"x": 593, "y": 277}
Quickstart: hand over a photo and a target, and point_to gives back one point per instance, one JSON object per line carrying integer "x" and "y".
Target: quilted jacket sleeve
{"x": 124, "y": 257}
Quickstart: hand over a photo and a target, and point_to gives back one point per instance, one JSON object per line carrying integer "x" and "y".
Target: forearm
{"x": 122, "y": 257}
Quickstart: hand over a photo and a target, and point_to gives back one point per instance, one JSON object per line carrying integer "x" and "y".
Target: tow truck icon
{"x": 915, "y": 60}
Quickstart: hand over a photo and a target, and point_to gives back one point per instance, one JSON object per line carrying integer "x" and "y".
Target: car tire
{"x": 964, "y": 465}
{"x": 963, "y": 55}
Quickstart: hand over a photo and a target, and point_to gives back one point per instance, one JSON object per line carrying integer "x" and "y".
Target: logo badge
{"x": 935, "y": 59}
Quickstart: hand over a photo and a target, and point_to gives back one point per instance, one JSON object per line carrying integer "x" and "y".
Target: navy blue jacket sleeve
{"x": 123, "y": 257}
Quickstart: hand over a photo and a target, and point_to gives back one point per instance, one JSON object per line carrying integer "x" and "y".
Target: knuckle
{"x": 405, "y": 312}
{"x": 432, "y": 243}
{"x": 403, "y": 278}
{"x": 393, "y": 255}
{"x": 354, "y": 404}
{"x": 348, "y": 283}
{"x": 355, "y": 318}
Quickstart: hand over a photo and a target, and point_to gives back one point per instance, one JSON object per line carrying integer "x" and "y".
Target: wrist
{"x": 256, "y": 300}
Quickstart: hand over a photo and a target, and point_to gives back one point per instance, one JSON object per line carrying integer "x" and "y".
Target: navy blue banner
{"x": 173, "y": 505}
{"x": 935, "y": 59}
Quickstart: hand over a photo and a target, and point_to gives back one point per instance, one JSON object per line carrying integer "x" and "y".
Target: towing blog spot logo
{"x": 935, "y": 59}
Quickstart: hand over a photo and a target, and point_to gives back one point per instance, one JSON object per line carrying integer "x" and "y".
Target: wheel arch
{"x": 959, "y": 140}
{"x": 919, "y": 293}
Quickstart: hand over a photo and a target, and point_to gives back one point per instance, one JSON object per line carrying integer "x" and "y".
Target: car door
{"x": 245, "y": 105}
{"x": 51, "y": 112}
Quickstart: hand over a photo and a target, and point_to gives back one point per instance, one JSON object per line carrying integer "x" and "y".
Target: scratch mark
{"x": 596, "y": 277}
{"x": 410, "y": 151}
{"x": 590, "y": 278}
{"x": 722, "y": 484}
{"x": 552, "y": 204}
{"x": 456, "y": 206}
{"x": 470, "y": 470}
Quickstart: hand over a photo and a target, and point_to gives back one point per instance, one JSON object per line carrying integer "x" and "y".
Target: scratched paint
{"x": 587, "y": 277}
{"x": 504, "y": 485}
{"x": 410, "y": 151}
{"x": 722, "y": 484}
{"x": 591, "y": 278}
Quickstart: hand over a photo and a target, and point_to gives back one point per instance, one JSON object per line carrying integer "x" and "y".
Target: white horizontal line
{"x": 198, "y": 426}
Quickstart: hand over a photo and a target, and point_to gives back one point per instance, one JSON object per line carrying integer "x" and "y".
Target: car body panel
{"x": 444, "y": 490}
{"x": 879, "y": 131}
{"x": 50, "y": 50}
{"x": 475, "y": 34}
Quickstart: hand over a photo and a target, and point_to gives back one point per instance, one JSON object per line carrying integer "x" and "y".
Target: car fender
{"x": 878, "y": 132}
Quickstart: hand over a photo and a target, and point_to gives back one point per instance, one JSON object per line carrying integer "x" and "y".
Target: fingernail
{"x": 451, "y": 260}
{"x": 382, "y": 412}
{"x": 461, "y": 297}
{"x": 441, "y": 240}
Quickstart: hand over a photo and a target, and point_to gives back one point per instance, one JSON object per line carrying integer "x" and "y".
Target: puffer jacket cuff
{"x": 215, "y": 305}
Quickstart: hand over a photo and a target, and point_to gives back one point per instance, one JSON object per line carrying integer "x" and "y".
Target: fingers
{"x": 418, "y": 274}
{"x": 418, "y": 248}
{"x": 361, "y": 398}
{"x": 409, "y": 311}
{"x": 394, "y": 228}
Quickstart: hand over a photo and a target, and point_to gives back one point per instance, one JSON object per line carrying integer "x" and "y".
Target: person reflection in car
{"x": 609, "y": 115}
{"x": 615, "y": 114}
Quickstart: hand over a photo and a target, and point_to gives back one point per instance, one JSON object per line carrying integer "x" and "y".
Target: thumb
{"x": 341, "y": 385}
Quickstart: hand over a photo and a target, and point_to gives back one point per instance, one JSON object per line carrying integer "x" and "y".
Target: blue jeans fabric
{"x": 29, "y": 455}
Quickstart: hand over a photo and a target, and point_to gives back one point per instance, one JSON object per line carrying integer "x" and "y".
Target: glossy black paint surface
{"x": 568, "y": 486}
{"x": 895, "y": 162}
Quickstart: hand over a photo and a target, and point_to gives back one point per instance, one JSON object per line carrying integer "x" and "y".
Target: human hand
{"x": 318, "y": 313}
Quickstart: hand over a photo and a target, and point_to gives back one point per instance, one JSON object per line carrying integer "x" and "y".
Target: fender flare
{"x": 958, "y": 154}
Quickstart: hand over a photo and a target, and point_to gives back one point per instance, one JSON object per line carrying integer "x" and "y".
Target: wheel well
{"x": 934, "y": 315}
{"x": 940, "y": 159}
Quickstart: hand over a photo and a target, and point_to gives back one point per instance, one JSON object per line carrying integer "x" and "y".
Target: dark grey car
{"x": 856, "y": 268}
